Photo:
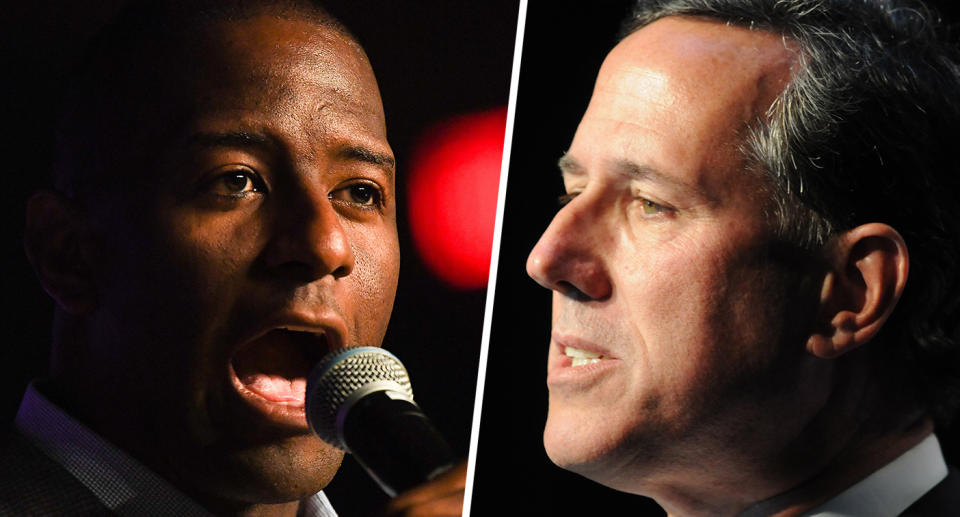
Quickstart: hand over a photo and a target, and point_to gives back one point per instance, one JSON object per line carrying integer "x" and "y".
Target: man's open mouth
{"x": 582, "y": 357}
{"x": 275, "y": 366}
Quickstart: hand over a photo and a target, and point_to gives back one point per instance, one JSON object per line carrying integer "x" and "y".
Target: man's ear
{"x": 54, "y": 243}
{"x": 867, "y": 272}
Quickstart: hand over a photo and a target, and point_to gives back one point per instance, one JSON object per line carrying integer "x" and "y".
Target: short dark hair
{"x": 865, "y": 132}
{"x": 95, "y": 115}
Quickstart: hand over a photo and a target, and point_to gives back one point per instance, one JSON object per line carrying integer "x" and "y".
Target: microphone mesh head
{"x": 343, "y": 373}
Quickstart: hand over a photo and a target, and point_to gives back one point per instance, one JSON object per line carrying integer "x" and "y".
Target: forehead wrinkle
{"x": 635, "y": 84}
{"x": 275, "y": 91}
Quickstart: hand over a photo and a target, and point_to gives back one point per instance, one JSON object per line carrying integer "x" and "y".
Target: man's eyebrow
{"x": 385, "y": 161}
{"x": 246, "y": 139}
{"x": 651, "y": 173}
{"x": 569, "y": 165}
{"x": 642, "y": 171}
{"x": 241, "y": 139}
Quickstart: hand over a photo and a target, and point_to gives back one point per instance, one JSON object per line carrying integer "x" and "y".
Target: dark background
{"x": 433, "y": 59}
{"x": 564, "y": 44}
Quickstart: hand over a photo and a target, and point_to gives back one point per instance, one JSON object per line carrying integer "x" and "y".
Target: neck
{"x": 859, "y": 457}
{"x": 795, "y": 456}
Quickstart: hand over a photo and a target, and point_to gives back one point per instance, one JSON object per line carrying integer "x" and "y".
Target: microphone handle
{"x": 395, "y": 442}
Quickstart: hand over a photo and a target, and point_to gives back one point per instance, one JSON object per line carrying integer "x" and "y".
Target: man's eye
{"x": 565, "y": 199}
{"x": 237, "y": 183}
{"x": 362, "y": 194}
{"x": 649, "y": 207}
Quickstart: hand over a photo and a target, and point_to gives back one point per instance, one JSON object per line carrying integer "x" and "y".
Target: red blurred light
{"x": 452, "y": 196}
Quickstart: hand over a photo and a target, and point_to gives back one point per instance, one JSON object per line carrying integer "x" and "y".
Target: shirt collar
{"x": 892, "y": 489}
{"x": 120, "y": 482}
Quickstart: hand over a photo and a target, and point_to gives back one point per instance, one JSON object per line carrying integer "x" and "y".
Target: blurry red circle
{"x": 452, "y": 195}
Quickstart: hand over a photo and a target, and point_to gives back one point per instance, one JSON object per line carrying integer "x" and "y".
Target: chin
{"x": 610, "y": 452}
{"x": 278, "y": 472}
{"x": 574, "y": 445}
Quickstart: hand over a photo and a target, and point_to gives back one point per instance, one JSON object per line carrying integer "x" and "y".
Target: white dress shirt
{"x": 892, "y": 489}
{"x": 120, "y": 482}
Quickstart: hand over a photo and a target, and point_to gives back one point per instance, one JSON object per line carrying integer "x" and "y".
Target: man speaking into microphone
{"x": 223, "y": 215}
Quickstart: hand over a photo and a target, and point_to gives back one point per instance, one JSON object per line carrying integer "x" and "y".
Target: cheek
{"x": 676, "y": 300}
{"x": 194, "y": 268}
{"x": 669, "y": 288}
{"x": 374, "y": 282}
{"x": 215, "y": 245}
{"x": 175, "y": 263}
{"x": 206, "y": 258}
{"x": 767, "y": 318}
{"x": 726, "y": 309}
{"x": 169, "y": 286}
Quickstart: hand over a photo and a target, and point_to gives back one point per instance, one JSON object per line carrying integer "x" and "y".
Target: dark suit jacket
{"x": 31, "y": 484}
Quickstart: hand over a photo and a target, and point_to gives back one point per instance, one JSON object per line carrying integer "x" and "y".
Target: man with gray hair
{"x": 734, "y": 331}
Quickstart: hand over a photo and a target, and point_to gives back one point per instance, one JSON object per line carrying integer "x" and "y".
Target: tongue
{"x": 275, "y": 388}
{"x": 276, "y": 366}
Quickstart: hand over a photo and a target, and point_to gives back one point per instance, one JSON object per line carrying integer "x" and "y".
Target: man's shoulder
{"x": 942, "y": 500}
{"x": 33, "y": 484}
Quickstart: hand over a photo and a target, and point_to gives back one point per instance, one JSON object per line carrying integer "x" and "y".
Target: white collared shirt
{"x": 120, "y": 482}
{"x": 892, "y": 489}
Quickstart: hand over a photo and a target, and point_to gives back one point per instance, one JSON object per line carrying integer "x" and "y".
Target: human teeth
{"x": 580, "y": 361}
{"x": 581, "y": 357}
{"x": 576, "y": 352}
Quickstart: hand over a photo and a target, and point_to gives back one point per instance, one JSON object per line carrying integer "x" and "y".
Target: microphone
{"x": 359, "y": 399}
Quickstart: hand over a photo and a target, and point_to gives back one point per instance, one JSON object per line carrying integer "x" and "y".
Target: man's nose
{"x": 309, "y": 238}
{"x": 569, "y": 257}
